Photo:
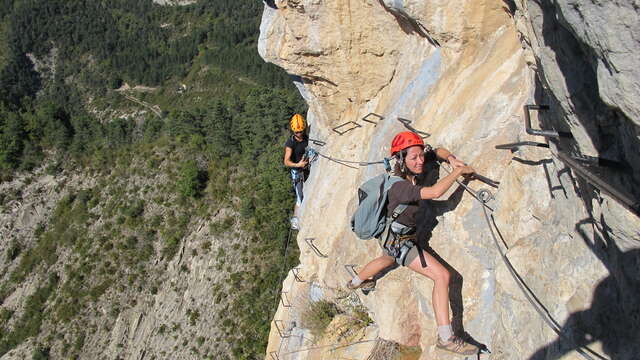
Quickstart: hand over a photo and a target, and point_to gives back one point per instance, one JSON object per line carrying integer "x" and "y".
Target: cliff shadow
{"x": 270, "y": 3}
{"x": 573, "y": 64}
{"x": 545, "y": 165}
{"x": 613, "y": 317}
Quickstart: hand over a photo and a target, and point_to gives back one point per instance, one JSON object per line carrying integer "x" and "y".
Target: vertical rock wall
{"x": 461, "y": 72}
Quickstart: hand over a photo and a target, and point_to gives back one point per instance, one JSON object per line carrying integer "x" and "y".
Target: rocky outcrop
{"x": 604, "y": 33}
{"x": 460, "y": 72}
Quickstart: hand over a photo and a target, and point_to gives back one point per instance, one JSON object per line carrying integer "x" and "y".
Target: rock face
{"x": 460, "y": 73}
{"x": 589, "y": 75}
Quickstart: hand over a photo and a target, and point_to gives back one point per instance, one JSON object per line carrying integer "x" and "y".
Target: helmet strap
{"x": 400, "y": 157}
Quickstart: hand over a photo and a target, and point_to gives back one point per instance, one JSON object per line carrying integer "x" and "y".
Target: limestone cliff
{"x": 461, "y": 72}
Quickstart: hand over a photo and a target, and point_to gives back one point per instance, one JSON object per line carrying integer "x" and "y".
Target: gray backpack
{"x": 370, "y": 219}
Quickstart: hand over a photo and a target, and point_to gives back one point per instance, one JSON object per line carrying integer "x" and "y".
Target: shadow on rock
{"x": 570, "y": 70}
{"x": 614, "y": 315}
{"x": 270, "y": 3}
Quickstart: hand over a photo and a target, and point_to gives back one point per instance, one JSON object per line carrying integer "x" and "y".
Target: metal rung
{"x": 283, "y": 296}
{"x": 318, "y": 142}
{"x": 274, "y": 355}
{"x": 547, "y": 175}
{"x": 369, "y": 118}
{"x": 355, "y": 126}
{"x": 351, "y": 270}
{"x": 295, "y": 272}
{"x": 539, "y": 132}
{"x": 281, "y": 332}
{"x": 512, "y": 146}
{"x": 487, "y": 181}
{"x": 407, "y": 122}
{"x": 309, "y": 241}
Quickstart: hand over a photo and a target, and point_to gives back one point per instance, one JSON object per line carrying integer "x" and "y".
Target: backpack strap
{"x": 387, "y": 165}
{"x": 398, "y": 211}
{"x": 387, "y": 231}
{"x": 387, "y": 228}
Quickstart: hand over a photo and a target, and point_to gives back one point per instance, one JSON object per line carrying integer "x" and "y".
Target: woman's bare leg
{"x": 375, "y": 266}
{"x": 440, "y": 276}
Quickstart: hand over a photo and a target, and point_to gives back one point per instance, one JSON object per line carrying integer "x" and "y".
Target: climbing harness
{"x": 311, "y": 154}
{"x": 399, "y": 247}
{"x": 297, "y": 175}
{"x": 399, "y": 239}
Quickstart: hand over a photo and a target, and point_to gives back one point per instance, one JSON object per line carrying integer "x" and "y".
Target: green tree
{"x": 191, "y": 180}
{"x": 53, "y": 127}
{"x": 12, "y": 136}
{"x": 18, "y": 79}
{"x": 182, "y": 124}
{"x": 40, "y": 353}
{"x": 217, "y": 130}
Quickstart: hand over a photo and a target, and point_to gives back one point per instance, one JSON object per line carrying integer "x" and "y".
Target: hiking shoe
{"x": 295, "y": 223}
{"x": 457, "y": 345}
{"x": 365, "y": 285}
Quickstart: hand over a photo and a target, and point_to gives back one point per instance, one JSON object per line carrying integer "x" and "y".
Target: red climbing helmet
{"x": 404, "y": 140}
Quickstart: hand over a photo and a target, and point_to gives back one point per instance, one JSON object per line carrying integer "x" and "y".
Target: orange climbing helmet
{"x": 297, "y": 123}
{"x": 405, "y": 140}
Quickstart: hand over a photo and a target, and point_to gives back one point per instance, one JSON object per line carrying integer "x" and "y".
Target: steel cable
{"x": 284, "y": 267}
{"x": 483, "y": 196}
{"x": 333, "y": 346}
{"x": 531, "y": 297}
{"x": 346, "y": 162}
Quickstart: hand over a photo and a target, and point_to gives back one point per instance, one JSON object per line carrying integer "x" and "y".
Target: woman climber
{"x": 401, "y": 245}
{"x": 295, "y": 159}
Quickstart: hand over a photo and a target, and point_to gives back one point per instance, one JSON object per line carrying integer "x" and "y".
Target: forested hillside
{"x": 132, "y": 184}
